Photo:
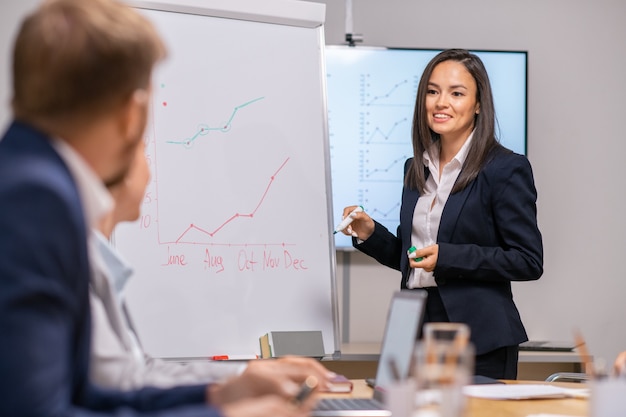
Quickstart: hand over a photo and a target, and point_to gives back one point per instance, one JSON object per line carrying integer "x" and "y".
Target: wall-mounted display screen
{"x": 371, "y": 97}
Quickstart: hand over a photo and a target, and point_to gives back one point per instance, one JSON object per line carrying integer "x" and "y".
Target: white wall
{"x": 576, "y": 144}
{"x": 11, "y": 13}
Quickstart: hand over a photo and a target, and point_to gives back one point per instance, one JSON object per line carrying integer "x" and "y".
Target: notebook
{"x": 548, "y": 345}
{"x": 404, "y": 319}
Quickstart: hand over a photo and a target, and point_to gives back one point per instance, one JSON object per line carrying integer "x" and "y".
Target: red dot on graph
{"x": 165, "y": 104}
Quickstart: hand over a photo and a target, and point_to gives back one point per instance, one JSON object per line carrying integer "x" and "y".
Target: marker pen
{"x": 411, "y": 253}
{"x": 234, "y": 357}
{"x": 348, "y": 219}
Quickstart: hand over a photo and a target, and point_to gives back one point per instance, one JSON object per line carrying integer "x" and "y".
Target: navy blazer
{"x": 44, "y": 302}
{"x": 488, "y": 237}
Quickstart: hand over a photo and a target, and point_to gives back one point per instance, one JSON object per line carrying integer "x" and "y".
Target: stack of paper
{"x": 523, "y": 391}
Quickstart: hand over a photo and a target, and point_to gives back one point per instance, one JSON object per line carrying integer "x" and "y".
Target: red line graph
{"x": 235, "y": 216}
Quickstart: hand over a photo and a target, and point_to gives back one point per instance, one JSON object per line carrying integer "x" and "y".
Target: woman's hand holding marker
{"x": 356, "y": 223}
{"x": 347, "y": 220}
{"x": 424, "y": 258}
{"x": 413, "y": 255}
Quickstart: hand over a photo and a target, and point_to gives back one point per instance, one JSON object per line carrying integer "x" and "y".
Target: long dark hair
{"x": 484, "y": 140}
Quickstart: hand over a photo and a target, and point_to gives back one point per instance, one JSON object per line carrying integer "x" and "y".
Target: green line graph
{"x": 204, "y": 129}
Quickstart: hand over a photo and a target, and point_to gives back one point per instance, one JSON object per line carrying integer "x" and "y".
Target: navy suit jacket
{"x": 488, "y": 237}
{"x": 44, "y": 302}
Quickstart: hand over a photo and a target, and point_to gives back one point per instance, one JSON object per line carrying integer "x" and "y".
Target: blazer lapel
{"x": 409, "y": 200}
{"x": 451, "y": 212}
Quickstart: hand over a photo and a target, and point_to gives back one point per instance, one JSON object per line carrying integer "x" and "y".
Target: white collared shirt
{"x": 116, "y": 354}
{"x": 429, "y": 207}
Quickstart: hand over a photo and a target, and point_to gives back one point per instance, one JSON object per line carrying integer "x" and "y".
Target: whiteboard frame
{"x": 329, "y": 202}
{"x": 283, "y": 12}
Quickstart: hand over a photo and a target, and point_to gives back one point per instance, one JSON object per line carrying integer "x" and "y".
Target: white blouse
{"x": 430, "y": 204}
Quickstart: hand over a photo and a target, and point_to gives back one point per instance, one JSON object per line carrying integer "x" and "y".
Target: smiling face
{"x": 451, "y": 103}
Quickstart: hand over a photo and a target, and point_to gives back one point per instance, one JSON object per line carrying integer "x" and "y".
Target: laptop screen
{"x": 404, "y": 319}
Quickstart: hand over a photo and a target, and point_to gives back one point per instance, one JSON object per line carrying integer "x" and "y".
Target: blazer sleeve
{"x": 382, "y": 245}
{"x": 494, "y": 235}
{"x": 181, "y": 401}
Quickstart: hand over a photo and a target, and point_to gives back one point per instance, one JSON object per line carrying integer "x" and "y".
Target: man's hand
{"x": 281, "y": 377}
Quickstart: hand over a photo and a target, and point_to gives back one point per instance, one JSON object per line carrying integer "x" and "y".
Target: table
{"x": 478, "y": 407}
{"x": 359, "y": 361}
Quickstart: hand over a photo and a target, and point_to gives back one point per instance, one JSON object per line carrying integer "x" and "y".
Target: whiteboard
{"x": 235, "y": 234}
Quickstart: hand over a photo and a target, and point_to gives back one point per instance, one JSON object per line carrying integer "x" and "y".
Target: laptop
{"x": 404, "y": 319}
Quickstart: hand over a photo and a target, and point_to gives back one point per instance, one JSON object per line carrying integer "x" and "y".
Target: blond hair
{"x": 81, "y": 58}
